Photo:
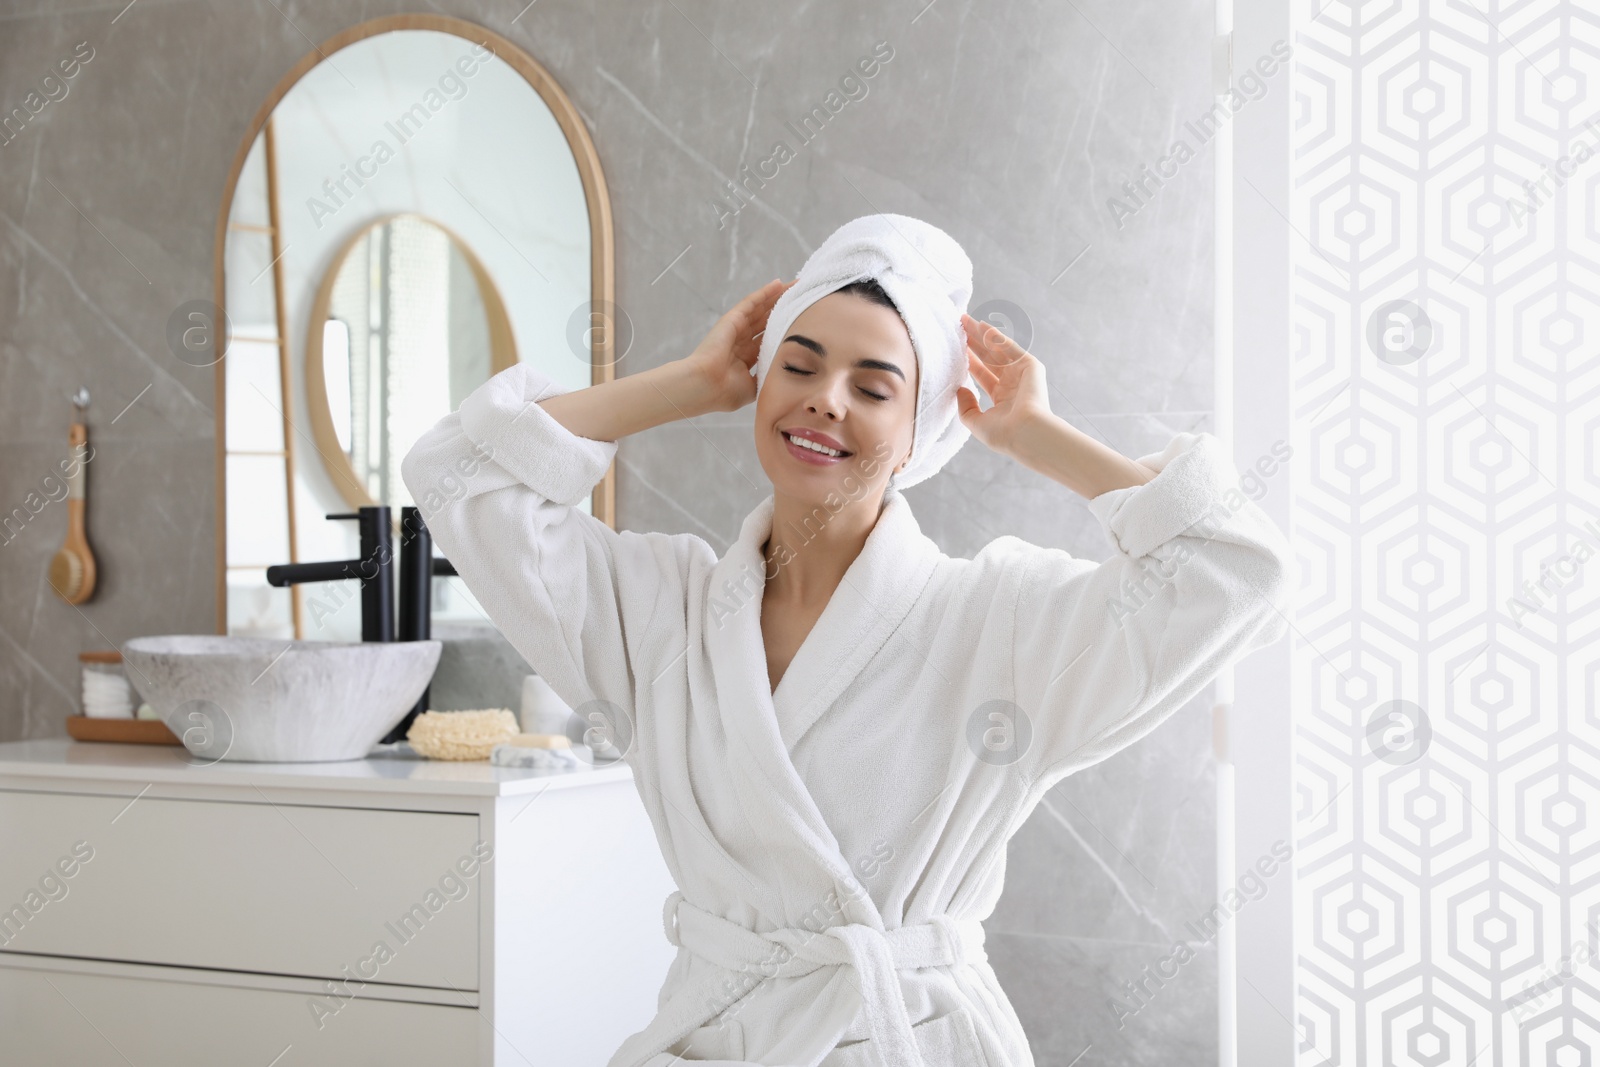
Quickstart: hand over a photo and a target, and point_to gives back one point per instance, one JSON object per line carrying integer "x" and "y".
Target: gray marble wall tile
{"x": 1065, "y": 1007}
{"x": 1008, "y": 125}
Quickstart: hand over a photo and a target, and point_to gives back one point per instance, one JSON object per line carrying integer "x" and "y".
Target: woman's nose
{"x": 826, "y": 400}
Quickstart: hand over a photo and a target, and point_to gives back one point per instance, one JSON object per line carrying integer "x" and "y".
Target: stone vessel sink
{"x": 279, "y": 701}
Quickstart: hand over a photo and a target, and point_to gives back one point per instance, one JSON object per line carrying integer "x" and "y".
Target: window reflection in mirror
{"x": 407, "y": 335}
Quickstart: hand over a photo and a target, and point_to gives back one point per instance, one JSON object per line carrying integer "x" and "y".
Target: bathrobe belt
{"x": 876, "y": 956}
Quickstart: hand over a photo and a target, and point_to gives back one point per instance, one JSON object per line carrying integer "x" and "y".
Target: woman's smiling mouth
{"x": 812, "y": 447}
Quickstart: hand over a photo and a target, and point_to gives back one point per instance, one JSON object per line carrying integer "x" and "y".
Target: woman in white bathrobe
{"x": 835, "y": 727}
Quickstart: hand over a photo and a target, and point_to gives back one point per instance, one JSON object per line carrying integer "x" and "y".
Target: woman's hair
{"x": 869, "y": 289}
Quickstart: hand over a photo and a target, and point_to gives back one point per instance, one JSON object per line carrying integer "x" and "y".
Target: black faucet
{"x": 418, "y": 567}
{"x": 375, "y": 570}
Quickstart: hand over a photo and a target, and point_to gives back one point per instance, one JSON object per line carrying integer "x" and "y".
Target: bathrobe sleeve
{"x": 1105, "y": 652}
{"x": 496, "y": 482}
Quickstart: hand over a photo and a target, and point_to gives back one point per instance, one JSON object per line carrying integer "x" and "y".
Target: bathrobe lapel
{"x": 763, "y": 726}
{"x": 862, "y": 616}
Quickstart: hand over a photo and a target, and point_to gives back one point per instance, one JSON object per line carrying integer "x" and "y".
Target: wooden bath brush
{"x": 72, "y": 568}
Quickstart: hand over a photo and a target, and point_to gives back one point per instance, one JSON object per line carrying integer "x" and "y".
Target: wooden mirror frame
{"x": 502, "y": 351}
{"x": 601, "y": 245}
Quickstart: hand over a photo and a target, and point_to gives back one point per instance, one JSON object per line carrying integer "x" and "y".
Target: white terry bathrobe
{"x": 836, "y": 842}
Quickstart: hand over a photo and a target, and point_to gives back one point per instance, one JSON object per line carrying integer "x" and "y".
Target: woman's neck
{"x": 810, "y": 547}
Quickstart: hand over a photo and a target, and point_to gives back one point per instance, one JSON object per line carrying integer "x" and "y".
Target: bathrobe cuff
{"x": 1193, "y": 475}
{"x": 503, "y": 416}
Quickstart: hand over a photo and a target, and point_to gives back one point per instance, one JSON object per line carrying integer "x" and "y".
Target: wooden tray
{"x": 132, "y": 731}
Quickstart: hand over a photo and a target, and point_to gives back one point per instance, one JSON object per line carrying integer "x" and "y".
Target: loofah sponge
{"x": 461, "y": 735}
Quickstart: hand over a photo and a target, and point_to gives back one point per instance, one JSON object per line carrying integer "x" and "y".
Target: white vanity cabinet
{"x": 379, "y": 911}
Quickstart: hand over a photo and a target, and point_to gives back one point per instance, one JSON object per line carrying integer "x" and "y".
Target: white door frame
{"x": 1255, "y": 718}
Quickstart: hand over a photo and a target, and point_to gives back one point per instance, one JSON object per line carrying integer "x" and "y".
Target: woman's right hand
{"x": 723, "y": 362}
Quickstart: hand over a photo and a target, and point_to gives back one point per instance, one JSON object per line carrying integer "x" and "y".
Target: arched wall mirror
{"x": 416, "y": 206}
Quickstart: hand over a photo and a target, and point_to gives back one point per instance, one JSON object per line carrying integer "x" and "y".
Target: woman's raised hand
{"x": 1013, "y": 379}
{"x": 715, "y": 377}
{"x": 723, "y": 362}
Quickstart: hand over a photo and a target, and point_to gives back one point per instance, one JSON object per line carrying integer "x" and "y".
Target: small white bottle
{"x": 542, "y": 711}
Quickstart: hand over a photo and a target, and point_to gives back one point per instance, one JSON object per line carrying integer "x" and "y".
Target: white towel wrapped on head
{"x": 929, "y": 278}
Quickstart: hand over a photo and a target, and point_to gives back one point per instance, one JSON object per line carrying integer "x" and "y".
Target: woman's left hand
{"x": 1013, "y": 379}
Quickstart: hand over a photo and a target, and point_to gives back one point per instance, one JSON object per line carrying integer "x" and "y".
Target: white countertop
{"x": 61, "y": 757}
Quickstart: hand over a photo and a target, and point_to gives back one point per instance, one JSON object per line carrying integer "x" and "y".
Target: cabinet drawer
{"x": 343, "y": 893}
{"x": 89, "y": 1020}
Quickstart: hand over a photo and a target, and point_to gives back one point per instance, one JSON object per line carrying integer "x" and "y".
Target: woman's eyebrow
{"x": 870, "y": 364}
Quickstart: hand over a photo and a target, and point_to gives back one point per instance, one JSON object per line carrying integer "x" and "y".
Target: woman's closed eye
{"x": 801, "y": 370}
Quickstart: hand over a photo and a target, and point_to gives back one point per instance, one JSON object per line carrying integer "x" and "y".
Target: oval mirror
{"x": 415, "y": 206}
